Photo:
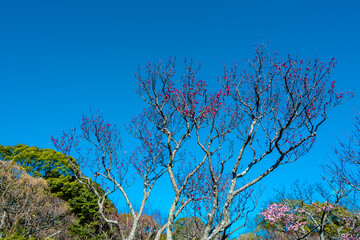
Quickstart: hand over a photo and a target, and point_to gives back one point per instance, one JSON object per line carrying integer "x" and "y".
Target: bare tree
{"x": 27, "y": 208}
{"x": 214, "y": 147}
{"x": 102, "y": 157}
{"x": 346, "y": 168}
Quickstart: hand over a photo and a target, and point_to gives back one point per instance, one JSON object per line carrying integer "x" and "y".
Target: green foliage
{"x": 55, "y": 168}
{"x": 46, "y": 163}
{"x": 16, "y": 236}
{"x": 82, "y": 202}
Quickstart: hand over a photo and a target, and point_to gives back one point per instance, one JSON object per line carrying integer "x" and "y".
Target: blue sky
{"x": 58, "y": 58}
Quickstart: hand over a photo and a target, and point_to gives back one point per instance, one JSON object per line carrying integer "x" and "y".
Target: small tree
{"x": 211, "y": 144}
{"x": 104, "y": 141}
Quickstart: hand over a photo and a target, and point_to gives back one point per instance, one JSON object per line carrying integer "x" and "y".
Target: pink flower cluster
{"x": 285, "y": 216}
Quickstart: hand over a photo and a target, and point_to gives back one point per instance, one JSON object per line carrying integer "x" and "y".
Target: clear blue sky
{"x": 58, "y": 58}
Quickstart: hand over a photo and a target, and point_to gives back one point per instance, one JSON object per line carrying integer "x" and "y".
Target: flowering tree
{"x": 298, "y": 214}
{"x": 102, "y": 141}
{"x": 211, "y": 144}
{"x": 294, "y": 219}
